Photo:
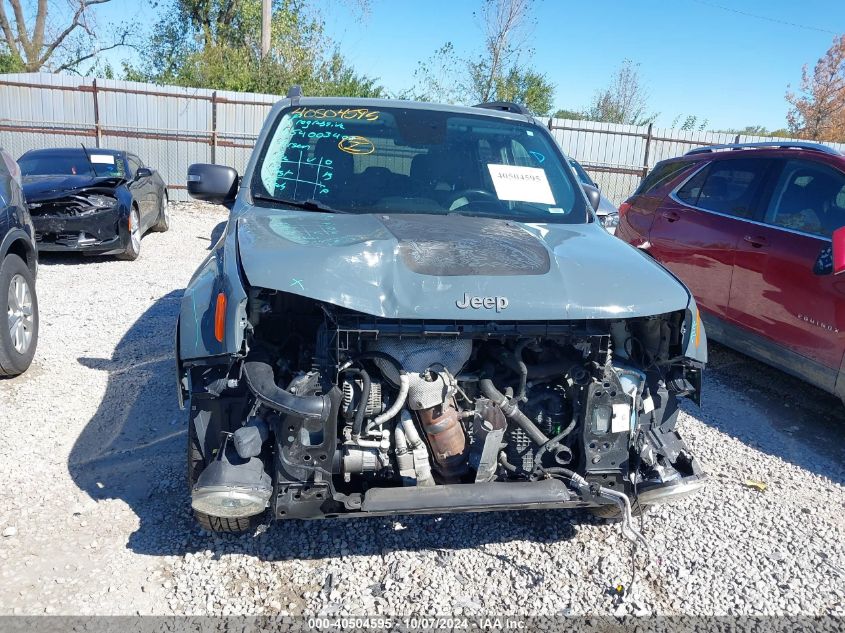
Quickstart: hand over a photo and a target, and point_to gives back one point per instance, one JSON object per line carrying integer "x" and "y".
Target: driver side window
{"x": 809, "y": 197}
{"x": 134, "y": 164}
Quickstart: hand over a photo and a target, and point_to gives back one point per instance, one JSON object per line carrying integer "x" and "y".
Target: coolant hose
{"x": 366, "y": 385}
{"x": 261, "y": 381}
{"x": 404, "y": 384}
{"x": 512, "y": 412}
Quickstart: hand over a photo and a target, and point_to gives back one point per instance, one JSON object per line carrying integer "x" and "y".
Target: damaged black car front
{"x": 90, "y": 200}
{"x": 414, "y": 310}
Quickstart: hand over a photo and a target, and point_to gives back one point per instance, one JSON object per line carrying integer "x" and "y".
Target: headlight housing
{"x": 98, "y": 201}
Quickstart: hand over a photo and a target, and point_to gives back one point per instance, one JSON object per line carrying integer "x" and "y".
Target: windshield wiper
{"x": 307, "y": 205}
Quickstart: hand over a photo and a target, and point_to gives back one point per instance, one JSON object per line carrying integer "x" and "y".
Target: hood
{"x": 45, "y": 187}
{"x": 453, "y": 267}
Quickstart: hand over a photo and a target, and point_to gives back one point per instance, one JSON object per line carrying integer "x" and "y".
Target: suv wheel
{"x": 19, "y": 331}
{"x": 210, "y": 523}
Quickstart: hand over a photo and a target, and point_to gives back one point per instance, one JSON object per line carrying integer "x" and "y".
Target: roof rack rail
{"x": 813, "y": 147}
{"x": 504, "y": 106}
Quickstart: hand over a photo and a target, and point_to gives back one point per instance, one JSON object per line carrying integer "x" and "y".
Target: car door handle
{"x": 756, "y": 241}
{"x": 671, "y": 216}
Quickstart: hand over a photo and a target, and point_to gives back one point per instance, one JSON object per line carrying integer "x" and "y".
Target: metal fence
{"x": 619, "y": 156}
{"x": 171, "y": 127}
{"x": 168, "y": 127}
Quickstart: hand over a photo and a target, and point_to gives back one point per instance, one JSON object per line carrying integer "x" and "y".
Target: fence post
{"x": 648, "y": 138}
{"x": 214, "y": 128}
{"x": 97, "y": 129}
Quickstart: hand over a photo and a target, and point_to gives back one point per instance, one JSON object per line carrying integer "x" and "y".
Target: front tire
{"x": 19, "y": 331}
{"x": 208, "y": 522}
{"x": 163, "y": 222}
{"x": 133, "y": 243}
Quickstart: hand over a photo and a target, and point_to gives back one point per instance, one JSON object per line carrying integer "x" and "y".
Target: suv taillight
{"x": 623, "y": 209}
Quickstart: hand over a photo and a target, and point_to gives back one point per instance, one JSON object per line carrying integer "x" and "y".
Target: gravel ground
{"x": 95, "y": 516}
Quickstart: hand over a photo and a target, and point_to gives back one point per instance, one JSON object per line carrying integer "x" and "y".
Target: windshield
{"x": 403, "y": 160}
{"x": 71, "y": 163}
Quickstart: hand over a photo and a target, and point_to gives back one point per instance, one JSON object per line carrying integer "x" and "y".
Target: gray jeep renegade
{"x": 414, "y": 310}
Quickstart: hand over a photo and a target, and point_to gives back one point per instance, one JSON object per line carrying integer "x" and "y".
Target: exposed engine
{"x": 360, "y": 410}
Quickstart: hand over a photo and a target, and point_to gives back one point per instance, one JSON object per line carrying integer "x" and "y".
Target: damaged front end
{"x": 89, "y": 219}
{"x": 325, "y": 411}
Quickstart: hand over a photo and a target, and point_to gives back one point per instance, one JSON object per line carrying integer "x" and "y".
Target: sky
{"x": 727, "y": 61}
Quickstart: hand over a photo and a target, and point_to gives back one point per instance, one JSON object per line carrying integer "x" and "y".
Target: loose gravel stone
{"x": 93, "y": 465}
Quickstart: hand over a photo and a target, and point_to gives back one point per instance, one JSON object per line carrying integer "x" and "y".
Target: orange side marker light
{"x": 220, "y": 317}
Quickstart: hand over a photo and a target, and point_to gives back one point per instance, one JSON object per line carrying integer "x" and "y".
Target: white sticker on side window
{"x": 522, "y": 184}
{"x": 105, "y": 159}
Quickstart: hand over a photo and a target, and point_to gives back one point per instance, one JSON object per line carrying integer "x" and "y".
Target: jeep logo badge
{"x": 476, "y": 303}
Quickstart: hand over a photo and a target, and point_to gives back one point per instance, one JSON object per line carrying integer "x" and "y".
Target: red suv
{"x": 750, "y": 229}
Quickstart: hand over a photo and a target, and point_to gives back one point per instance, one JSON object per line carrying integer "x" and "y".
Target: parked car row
{"x": 88, "y": 200}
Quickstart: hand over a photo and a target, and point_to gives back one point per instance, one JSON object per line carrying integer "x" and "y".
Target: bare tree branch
{"x": 72, "y": 64}
{"x": 34, "y": 48}
{"x": 7, "y": 29}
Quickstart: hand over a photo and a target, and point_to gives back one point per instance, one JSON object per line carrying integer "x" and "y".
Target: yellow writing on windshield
{"x": 356, "y": 114}
{"x": 356, "y": 145}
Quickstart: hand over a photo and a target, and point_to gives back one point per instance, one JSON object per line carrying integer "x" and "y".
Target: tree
{"x": 217, "y": 44}
{"x": 691, "y": 123}
{"x": 526, "y": 87}
{"x": 572, "y": 115}
{"x": 625, "y": 100}
{"x": 498, "y": 72}
{"x": 818, "y": 110}
{"x": 504, "y": 23}
{"x": 438, "y": 78}
{"x": 44, "y": 40}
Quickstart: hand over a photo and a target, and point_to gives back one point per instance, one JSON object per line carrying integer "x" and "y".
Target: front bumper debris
{"x": 97, "y": 230}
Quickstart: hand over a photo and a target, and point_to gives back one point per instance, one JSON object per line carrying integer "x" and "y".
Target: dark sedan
{"x": 93, "y": 200}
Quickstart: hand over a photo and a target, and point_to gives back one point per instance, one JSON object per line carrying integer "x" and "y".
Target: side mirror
{"x": 839, "y": 251}
{"x": 212, "y": 183}
{"x": 143, "y": 172}
{"x": 593, "y": 196}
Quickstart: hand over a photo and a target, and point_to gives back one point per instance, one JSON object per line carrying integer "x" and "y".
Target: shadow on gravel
{"x": 774, "y": 412}
{"x": 59, "y": 258}
{"x": 217, "y": 233}
{"x": 133, "y": 449}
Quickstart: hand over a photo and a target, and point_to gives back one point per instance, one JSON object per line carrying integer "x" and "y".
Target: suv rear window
{"x": 411, "y": 160}
{"x": 727, "y": 186}
{"x": 661, "y": 174}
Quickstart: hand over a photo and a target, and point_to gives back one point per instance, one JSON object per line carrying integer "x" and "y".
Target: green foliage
{"x": 217, "y": 44}
{"x": 572, "y": 115}
{"x": 625, "y": 100}
{"x": 527, "y": 87}
{"x": 691, "y": 123}
{"x": 11, "y": 63}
